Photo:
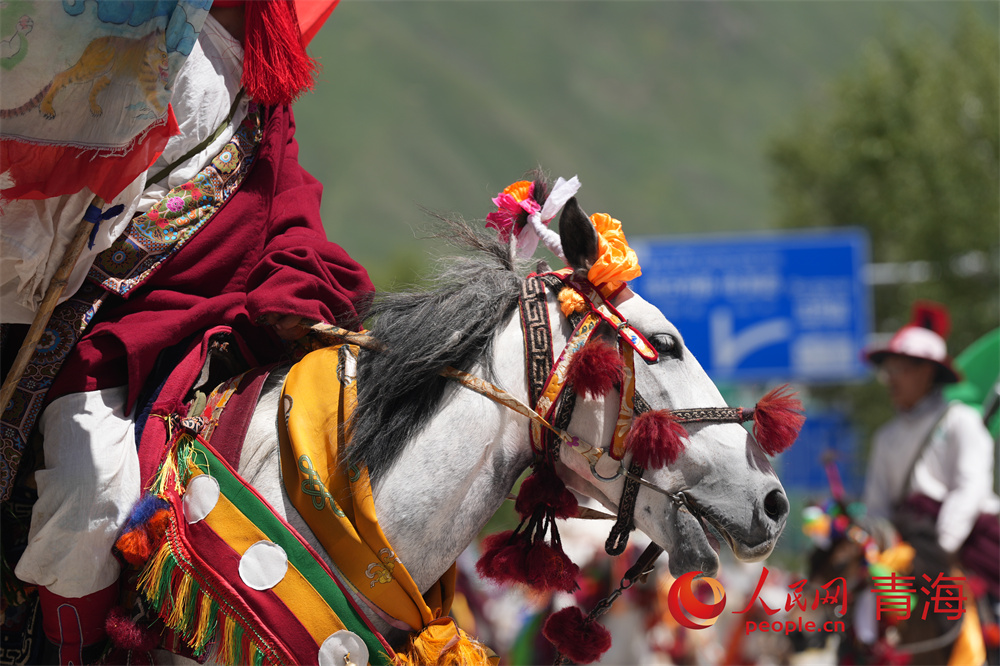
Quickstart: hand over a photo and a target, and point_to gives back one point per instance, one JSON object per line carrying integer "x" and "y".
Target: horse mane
{"x": 450, "y": 323}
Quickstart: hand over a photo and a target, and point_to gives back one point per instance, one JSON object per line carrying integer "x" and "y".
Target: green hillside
{"x": 662, "y": 108}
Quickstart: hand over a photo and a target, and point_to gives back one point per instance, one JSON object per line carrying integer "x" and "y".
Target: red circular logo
{"x": 687, "y": 609}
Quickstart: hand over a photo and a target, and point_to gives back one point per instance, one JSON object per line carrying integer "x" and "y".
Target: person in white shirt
{"x": 934, "y": 458}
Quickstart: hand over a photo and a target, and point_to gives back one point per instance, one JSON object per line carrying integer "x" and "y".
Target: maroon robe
{"x": 264, "y": 252}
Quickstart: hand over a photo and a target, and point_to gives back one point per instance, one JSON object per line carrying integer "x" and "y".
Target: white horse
{"x": 443, "y": 458}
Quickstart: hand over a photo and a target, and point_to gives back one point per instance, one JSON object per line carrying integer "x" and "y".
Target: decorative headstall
{"x": 532, "y": 553}
{"x": 654, "y": 438}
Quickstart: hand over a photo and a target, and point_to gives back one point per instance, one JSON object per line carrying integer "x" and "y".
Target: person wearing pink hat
{"x": 934, "y": 459}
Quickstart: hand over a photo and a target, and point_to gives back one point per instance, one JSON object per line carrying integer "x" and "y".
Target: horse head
{"x": 720, "y": 479}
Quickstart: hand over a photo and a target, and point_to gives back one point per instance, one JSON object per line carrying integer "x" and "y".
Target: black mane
{"x": 453, "y": 323}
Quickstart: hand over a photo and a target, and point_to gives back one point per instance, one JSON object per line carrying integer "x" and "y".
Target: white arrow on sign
{"x": 729, "y": 348}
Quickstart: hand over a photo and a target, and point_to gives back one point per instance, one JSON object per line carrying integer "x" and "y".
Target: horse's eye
{"x": 666, "y": 344}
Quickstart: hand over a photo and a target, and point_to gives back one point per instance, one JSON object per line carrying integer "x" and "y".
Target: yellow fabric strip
{"x": 320, "y": 393}
{"x": 969, "y": 647}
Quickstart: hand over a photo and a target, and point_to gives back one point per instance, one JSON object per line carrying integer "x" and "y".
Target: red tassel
{"x": 126, "y": 634}
{"x": 505, "y": 558}
{"x": 544, "y": 487}
{"x": 580, "y": 639}
{"x": 512, "y": 558}
{"x": 566, "y": 505}
{"x": 276, "y": 67}
{"x": 518, "y": 556}
{"x": 777, "y": 420}
{"x": 549, "y": 568}
{"x": 595, "y": 369}
{"x": 655, "y": 439}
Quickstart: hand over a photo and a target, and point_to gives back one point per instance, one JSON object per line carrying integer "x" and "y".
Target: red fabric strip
{"x": 266, "y": 606}
{"x": 44, "y": 171}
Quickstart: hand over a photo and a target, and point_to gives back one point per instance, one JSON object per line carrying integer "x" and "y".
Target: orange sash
{"x": 320, "y": 393}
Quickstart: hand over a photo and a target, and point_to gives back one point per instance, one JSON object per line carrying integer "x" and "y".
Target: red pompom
{"x": 595, "y": 369}
{"x": 777, "y": 420}
{"x": 580, "y": 639}
{"x": 126, "y": 634}
{"x": 505, "y": 558}
{"x": 934, "y": 316}
{"x": 545, "y": 488}
{"x": 135, "y": 546}
{"x": 549, "y": 568}
{"x": 655, "y": 439}
{"x": 566, "y": 505}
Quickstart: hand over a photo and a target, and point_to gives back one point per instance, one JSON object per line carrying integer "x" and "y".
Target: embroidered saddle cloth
{"x": 233, "y": 576}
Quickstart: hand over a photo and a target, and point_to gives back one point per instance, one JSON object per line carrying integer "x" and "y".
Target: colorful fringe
{"x": 194, "y": 613}
{"x": 190, "y": 610}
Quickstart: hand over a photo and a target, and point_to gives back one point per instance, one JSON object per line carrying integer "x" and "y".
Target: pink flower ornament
{"x": 511, "y": 203}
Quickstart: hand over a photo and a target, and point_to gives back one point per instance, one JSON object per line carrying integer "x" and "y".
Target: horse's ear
{"x": 578, "y": 237}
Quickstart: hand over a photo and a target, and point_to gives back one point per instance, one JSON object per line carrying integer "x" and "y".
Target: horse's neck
{"x": 454, "y": 475}
{"x": 451, "y": 478}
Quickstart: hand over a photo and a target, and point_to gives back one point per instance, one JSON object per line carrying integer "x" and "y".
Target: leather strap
{"x": 227, "y": 438}
{"x": 920, "y": 454}
{"x": 538, "y": 350}
{"x": 618, "y": 538}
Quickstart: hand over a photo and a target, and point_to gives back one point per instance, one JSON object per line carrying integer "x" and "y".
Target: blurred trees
{"x": 907, "y": 146}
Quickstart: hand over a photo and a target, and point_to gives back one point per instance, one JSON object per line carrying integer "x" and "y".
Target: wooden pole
{"x": 52, "y": 294}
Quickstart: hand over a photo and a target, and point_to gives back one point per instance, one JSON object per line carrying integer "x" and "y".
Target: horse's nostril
{"x": 776, "y": 505}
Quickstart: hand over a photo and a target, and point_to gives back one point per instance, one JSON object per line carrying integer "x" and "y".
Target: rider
{"x": 262, "y": 258}
{"x": 934, "y": 458}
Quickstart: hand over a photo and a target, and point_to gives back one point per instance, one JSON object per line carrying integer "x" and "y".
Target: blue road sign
{"x": 759, "y": 307}
{"x": 827, "y": 432}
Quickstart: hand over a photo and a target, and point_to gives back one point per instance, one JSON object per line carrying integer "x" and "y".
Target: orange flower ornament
{"x": 616, "y": 262}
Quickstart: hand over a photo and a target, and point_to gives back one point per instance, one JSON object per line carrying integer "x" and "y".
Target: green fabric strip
{"x": 257, "y": 512}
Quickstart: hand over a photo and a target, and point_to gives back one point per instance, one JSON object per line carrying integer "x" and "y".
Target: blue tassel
{"x": 143, "y": 511}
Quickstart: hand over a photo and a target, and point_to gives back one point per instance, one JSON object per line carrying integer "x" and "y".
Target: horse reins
{"x": 553, "y": 405}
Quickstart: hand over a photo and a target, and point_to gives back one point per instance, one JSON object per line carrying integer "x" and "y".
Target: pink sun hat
{"x": 923, "y": 338}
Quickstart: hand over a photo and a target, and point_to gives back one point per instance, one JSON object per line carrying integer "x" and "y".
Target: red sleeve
{"x": 300, "y": 272}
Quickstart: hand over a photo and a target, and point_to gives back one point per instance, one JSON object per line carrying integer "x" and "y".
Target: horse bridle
{"x": 553, "y": 405}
